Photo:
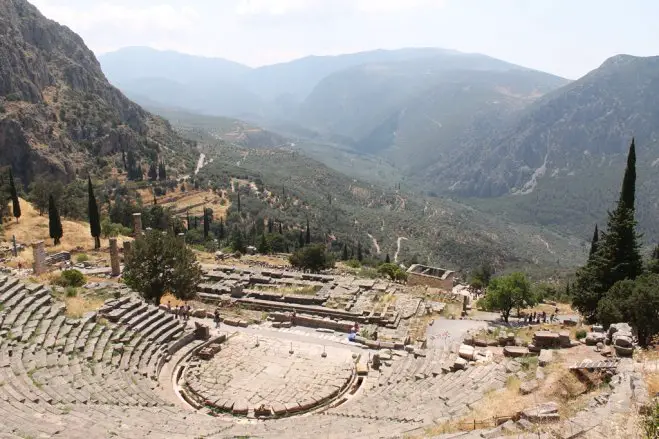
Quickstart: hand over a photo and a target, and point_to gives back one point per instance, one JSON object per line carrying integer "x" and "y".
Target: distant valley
{"x": 518, "y": 143}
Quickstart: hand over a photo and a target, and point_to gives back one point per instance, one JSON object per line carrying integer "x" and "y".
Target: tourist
{"x": 177, "y": 312}
{"x": 169, "y": 306}
{"x": 217, "y": 318}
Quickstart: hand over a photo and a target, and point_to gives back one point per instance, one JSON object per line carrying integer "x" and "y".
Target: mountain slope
{"x": 416, "y": 112}
{"x": 58, "y": 113}
{"x": 565, "y": 153}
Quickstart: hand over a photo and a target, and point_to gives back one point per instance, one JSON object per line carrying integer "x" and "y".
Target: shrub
{"x": 82, "y": 258}
{"x": 353, "y": 263}
{"x": 581, "y": 333}
{"x": 651, "y": 421}
{"x": 71, "y": 278}
{"x": 71, "y": 291}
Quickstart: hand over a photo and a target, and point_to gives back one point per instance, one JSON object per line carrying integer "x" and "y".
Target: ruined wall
{"x": 430, "y": 281}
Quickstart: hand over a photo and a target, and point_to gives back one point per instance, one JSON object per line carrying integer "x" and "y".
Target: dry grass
{"x": 77, "y": 306}
{"x": 33, "y": 227}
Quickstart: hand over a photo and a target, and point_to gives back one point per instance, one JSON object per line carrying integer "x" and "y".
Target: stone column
{"x": 114, "y": 257}
{"x": 128, "y": 245}
{"x": 39, "y": 254}
{"x": 137, "y": 224}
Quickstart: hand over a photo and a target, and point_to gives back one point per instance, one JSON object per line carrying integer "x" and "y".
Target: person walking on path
{"x": 216, "y": 317}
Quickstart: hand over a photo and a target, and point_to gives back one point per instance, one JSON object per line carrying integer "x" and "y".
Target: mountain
{"x": 131, "y": 63}
{"x": 272, "y": 94}
{"x": 58, "y": 113}
{"x": 415, "y": 112}
{"x": 559, "y": 161}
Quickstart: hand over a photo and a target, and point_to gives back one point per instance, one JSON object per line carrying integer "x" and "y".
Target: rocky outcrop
{"x": 58, "y": 113}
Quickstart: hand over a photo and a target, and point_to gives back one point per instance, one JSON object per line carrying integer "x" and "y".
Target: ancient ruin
{"x": 435, "y": 277}
{"x": 332, "y": 353}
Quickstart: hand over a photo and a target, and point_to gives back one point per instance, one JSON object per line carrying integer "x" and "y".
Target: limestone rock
{"x": 547, "y": 411}
{"x": 460, "y": 363}
{"x": 515, "y": 351}
{"x": 545, "y": 357}
{"x": 528, "y": 387}
{"x": 467, "y": 352}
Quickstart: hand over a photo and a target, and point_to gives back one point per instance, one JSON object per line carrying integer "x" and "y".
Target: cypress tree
{"x": 153, "y": 172}
{"x": 220, "y": 230}
{"x": 360, "y": 257}
{"x": 593, "y": 242}
{"x": 271, "y": 224}
{"x": 281, "y": 231}
{"x": 16, "y": 205}
{"x": 187, "y": 219}
{"x": 54, "y": 221}
{"x": 308, "y": 239}
{"x": 617, "y": 256}
{"x": 238, "y": 202}
{"x": 301, "y": 239}
{"x": 387, "y": 260}
{"x": 628, "y": 192}
{"x": 344, "y": 257}
{"x": 207, "y": 225}
{"x": 94, "y": 217}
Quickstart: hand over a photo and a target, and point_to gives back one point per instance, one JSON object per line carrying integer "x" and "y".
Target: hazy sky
{"x": 565, "y": 37}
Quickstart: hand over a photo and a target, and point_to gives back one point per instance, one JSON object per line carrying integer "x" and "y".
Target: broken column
{"x": 128, "y": 245}
{"x": 137, "y": 224}
{"x": 114, "y": 257}
{"x": 39, "y": 254}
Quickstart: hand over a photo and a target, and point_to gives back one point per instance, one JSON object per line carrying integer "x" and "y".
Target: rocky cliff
{"x": 58, "y": 113}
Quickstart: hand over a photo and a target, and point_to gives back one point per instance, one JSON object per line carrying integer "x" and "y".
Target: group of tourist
{"x": 181, "y": 311}
{"x": 540, "y": 317}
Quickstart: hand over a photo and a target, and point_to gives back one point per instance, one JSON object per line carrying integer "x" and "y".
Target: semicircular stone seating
{"x": 97, "y": 376}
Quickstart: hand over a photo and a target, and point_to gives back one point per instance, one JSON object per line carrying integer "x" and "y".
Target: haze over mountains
{"x": 457, "y": 124}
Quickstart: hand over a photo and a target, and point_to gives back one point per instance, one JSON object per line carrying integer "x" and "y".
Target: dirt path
{"x": 375, "y": 243}
{"x": 200, "y": 163}
{"x": 400, "y": 238}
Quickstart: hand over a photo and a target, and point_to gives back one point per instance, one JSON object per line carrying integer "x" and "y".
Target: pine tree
{"x": 162, "y": 171}
{"x": 308, "y": 238}
{"x": 344, "y": 257}
{"x": 207, "y": 224}
{"x": 54, "y": 222}
{"x": 281, "y": 230}
{"x": 387, "y": 260}
{"x": 94, "y": 216}
{"x": 360, "y": 257}
{"x": 16, "y": 205}
{"x": 593, "y": 242}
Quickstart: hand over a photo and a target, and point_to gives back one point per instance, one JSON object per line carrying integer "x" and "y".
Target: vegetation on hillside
{"x": 612, "y": 286}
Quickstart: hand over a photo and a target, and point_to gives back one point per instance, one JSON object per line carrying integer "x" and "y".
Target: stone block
{"x": 460, "y": 363}
{"x": 528, "y": 387}
{"x": 542, "y": 413}
{"x": 592, "y": 338}
{"x": 480, "y": 342}
{"x": 622, "y": 351}
{"x": 515, "y": 351}
{"x": 545, "y": 357}
{"x": 467, "y": 352}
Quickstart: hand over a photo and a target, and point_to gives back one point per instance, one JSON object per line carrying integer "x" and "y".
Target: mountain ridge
{"x": 49, "y": 80}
